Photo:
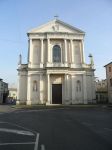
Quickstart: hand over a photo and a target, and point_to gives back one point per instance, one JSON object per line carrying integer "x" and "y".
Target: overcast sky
{"x": 18, "y": 16}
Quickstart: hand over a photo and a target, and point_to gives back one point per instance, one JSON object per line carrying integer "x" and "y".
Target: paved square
{"x": 57, "y": 129}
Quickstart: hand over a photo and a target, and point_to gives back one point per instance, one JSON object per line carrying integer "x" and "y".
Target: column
{"x": 83, "y": 58}
{"x": 41, "y": 89}
{"x": 65, "y": 46}
{"x": 72, "y": 51}
{"x": 48, "y": 50}
{"x": 41, "y": 51}
{"x": 73, "y": 88}
{"x": 81, "y": 53}
{"x": 29, "y": 90}
{"x": 84, "y": 89}
{"x": 31, "y": 52}
{"x": 93, "y": 87}
{"x": 18, "y": 89}
{"x": 66, "y": 88}
{"x": 28, "y": 51}
{"x": 48, "y": 88}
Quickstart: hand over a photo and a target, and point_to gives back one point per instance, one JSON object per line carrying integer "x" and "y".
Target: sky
{"x": 18, "y": 16}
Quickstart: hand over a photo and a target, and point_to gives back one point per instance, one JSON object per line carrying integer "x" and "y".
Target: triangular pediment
{"x": 56, "y": 26}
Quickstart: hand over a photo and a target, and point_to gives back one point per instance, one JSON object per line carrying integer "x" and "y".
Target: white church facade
{"x": 56, "y": 72}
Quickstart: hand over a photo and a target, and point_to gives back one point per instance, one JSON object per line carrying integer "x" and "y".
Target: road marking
{"x": 17, "y": 131}
{"x": 17, "y": 143}
{"x": 42, "y": 147}
{"x": 16, "y": 125}
{"x": 36, "y": 142}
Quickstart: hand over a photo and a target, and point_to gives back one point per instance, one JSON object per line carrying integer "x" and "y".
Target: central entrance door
{"x": 57, "y": 93}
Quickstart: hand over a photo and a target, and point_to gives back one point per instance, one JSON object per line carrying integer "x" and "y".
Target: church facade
{"x": 56, "y": 72}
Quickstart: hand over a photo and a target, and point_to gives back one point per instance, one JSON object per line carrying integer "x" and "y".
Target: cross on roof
{"x": 56, "y": 16}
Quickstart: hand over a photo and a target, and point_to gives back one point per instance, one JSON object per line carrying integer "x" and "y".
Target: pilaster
{"x": 48, "y": 88}
{"x": 31, "y": 52}
{"x": 41, "y": 89}
{"x": 84, "y": 89}
{"x": 72, "y": 51}
{"x": 41, "y": 63}
{"x": 66, "y": 89}
{"x": 73, "y": 88}
{"x": 83, "y": 58}
{"x": 65, "y": 46}
{"x": 48, "y": 50}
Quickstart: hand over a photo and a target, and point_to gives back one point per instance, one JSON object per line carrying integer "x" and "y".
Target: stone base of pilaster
{"x": 19, "y": 102}
{"x": 65, "y": 64}
{"x": 72, "y": 65}
{"x": 41, "y": 65}
{"x": 67, "y": 102}
{"x": 31, "y": 102}
{"x": 85, "y": 102}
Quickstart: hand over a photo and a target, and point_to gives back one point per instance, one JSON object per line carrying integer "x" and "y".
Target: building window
{"x": 109, "y": 69}
{"x": 111, "y": 82}
{"x": 35, "y": 85}
{"x": 78, "y": 86}
{"x": 56, "y": 53}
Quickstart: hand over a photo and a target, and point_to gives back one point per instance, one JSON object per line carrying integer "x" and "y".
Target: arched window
{"x": 78, "y": 86}
{"x": 56, "y": 53}
{"x": 35, "y": 85}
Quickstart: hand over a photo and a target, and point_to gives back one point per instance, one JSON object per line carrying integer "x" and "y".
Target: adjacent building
{"x": 3, "y": 91}
{"x": 109, "y": 80}
{"x": 56, "y": 71}
{"x": 101, "y": 91}
{"x": 12, "y": 95}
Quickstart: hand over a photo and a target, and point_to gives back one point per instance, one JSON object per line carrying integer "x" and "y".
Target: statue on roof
{"x": 20, "y": 60}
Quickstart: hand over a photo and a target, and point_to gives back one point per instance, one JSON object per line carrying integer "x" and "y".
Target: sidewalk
{"x": 6, "y": 108}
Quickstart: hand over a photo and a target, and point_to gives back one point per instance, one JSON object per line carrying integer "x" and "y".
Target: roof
{"x": 108, "y": 64}
{"x": 53, "y": 23}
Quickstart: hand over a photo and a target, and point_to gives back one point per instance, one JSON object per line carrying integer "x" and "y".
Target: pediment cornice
{"x": 56, "y": 26}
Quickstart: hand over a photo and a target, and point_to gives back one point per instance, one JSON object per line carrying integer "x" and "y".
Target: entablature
{"x": 56, "y": 35}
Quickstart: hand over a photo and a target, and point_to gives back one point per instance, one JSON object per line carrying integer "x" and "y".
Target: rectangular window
{"x": 111, "y": 82}
{"x": 109, "y": 69}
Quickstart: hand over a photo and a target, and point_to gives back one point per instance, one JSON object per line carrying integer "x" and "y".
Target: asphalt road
{"x": 56, "y": 129}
